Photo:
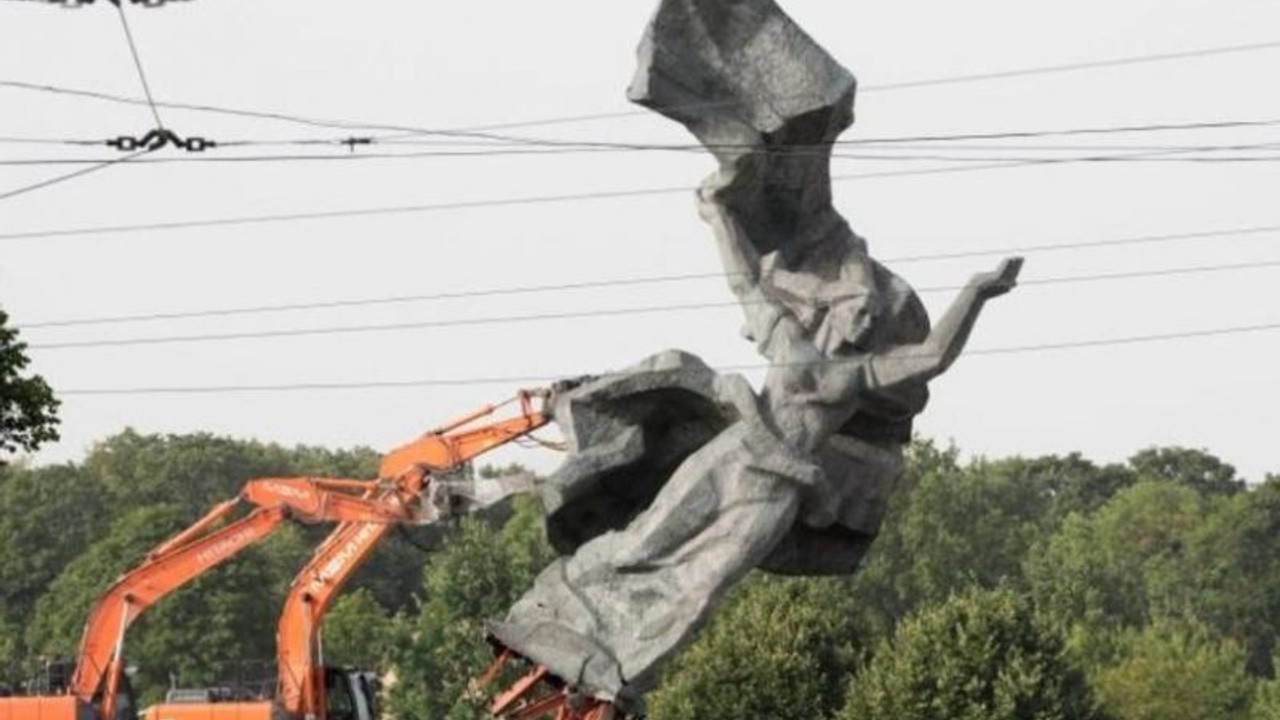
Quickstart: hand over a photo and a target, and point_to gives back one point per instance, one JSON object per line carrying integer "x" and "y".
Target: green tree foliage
{"x": 189, "y": 634}
{"x": 11, "y": 652}
{"x": 197, "y": 471}
{"x": 1233, "y": 572}
{"x": 982, "y": 655}
{"x": 952, "y": 527}
{"x": 48, "y": 517}
{"x": 476, "y": 576}
{"x": 1114, "y": 567}
{"x": 59, "y": 617}
{"x": 28, "y": 409}
{"x": 359, "y": 633}
{"x": 1176, "y": 670}
{"x": 199, "y": 635}
{"x": 936, "y": 620}
{"x": 1266, "y": 701}
{"x": 1164, "y": 548}
{"x": 1071, "y": 483}
{"x": 780, "y": 649}
{"x": 1195, "y": 469}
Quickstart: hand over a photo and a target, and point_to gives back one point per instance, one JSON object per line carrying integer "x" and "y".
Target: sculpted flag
{"x": 679, "y": 481}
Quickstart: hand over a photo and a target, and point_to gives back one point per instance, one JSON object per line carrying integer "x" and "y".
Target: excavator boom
{"x": 365, "y": 511}
{"x": 302, "y": 684}
{"x": 184, "y": 557}
{"x": 101, "y": 648}
{"x": 450, "y": 446}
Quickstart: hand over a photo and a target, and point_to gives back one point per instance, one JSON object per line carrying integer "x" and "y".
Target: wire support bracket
{"x": 161, "y": 138}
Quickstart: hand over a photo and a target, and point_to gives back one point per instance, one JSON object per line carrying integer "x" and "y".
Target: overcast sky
{"x": 438, "y": 65}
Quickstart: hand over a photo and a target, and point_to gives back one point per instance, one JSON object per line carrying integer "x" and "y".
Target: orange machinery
{"x": 365, "y": 509}
{"x": 306, "y": 688}
{"x": 94, "y": 690}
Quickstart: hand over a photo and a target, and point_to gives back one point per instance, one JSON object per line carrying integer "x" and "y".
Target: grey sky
{"x": 456, "y": 65}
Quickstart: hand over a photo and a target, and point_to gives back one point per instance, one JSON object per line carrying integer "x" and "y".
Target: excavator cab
{"x": 350, "y": 694}
{"x": 126, "y": 704}
{"x": 58, "y": 675}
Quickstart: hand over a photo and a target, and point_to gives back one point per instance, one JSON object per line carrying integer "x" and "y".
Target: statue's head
{"x": 828, "y": 282}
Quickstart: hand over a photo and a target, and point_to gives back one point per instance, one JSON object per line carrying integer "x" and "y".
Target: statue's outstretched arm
{"x": 927, "y": 360}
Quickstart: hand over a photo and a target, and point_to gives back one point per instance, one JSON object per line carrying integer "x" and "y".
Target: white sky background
{"x": 464, "y": 64}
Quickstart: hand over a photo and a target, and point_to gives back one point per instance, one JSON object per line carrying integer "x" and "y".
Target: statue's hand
{"x": 999, "y": 281}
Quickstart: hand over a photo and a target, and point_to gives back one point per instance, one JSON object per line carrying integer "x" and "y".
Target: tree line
{"x": 1034, "y": 588}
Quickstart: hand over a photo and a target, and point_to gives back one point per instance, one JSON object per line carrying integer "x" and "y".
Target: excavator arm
{"x": 102, "y": 645}
{"x": 443, "y": 450}
{"x": 200, "y": 548}
{"x": 451, "y": 445}
{"x": 365, "y": 510}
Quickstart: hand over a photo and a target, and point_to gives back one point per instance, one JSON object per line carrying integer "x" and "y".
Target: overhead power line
{"x": 587, "y": 145}
{"x": 661, "y": 279}
{"x": 1044, "y": 160}
{"x": 514, "y": 201}
{"x": 47, "y": 141}
{"x": 1077, "y": 66}
{"x": 980, "y": 166}
{"x": 1069, "y": 132}
{"x": 99, "y": 165}
{"x": 137, "y": 63}
{"x": 941, "y": 81}
{"x": 335, "y": 214}
{"x": 890, "y": 140}
{"x": 543, "y": 379}
{"x": 77, "y": 4}
{"x": 1143, "y": 154}
{"x": 103, "y": 165}
{"x": 479, "y": 131}
{"x": 236, "y": 112}
{"x": 570, "y": 315}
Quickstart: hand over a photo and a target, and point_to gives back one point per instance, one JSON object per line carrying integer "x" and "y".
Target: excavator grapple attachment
{"x": 537, "y": 695}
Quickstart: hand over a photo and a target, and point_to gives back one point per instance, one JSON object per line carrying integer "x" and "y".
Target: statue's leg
{"x": 608, "y": 616}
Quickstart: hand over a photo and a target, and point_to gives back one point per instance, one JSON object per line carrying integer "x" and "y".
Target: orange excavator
{"x": 98, "y": 689}
{"x": 306, "y": 688}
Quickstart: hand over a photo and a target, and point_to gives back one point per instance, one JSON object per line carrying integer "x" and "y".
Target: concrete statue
{"x": 680, "y": 480}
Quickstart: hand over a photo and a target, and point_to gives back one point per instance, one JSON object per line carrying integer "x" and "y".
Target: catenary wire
{"x": 508, "y": 202}
{"x": 254, "y": 114}
{"x": 483, "y": 130}
{"x": 12, "y": 140}
{"x": 596, "y": 145}
{"x": 542, "y": 379}
{"x": 137, "y": 63}
{"x": 571, "y": 315}
{"x": 71, "y": 176}
{"x": 907, "y": 139}
{"x": 1012, "y": 164}
{"x": 102, "y": 164}
{"x": 634, "y": 281}
{"x": 933, "y": 82}
{"x": 1140, "y": 155}
{"x": 600, "y": 146}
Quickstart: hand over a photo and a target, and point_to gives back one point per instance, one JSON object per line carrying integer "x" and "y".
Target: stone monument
{"x": 680, "y": 480}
